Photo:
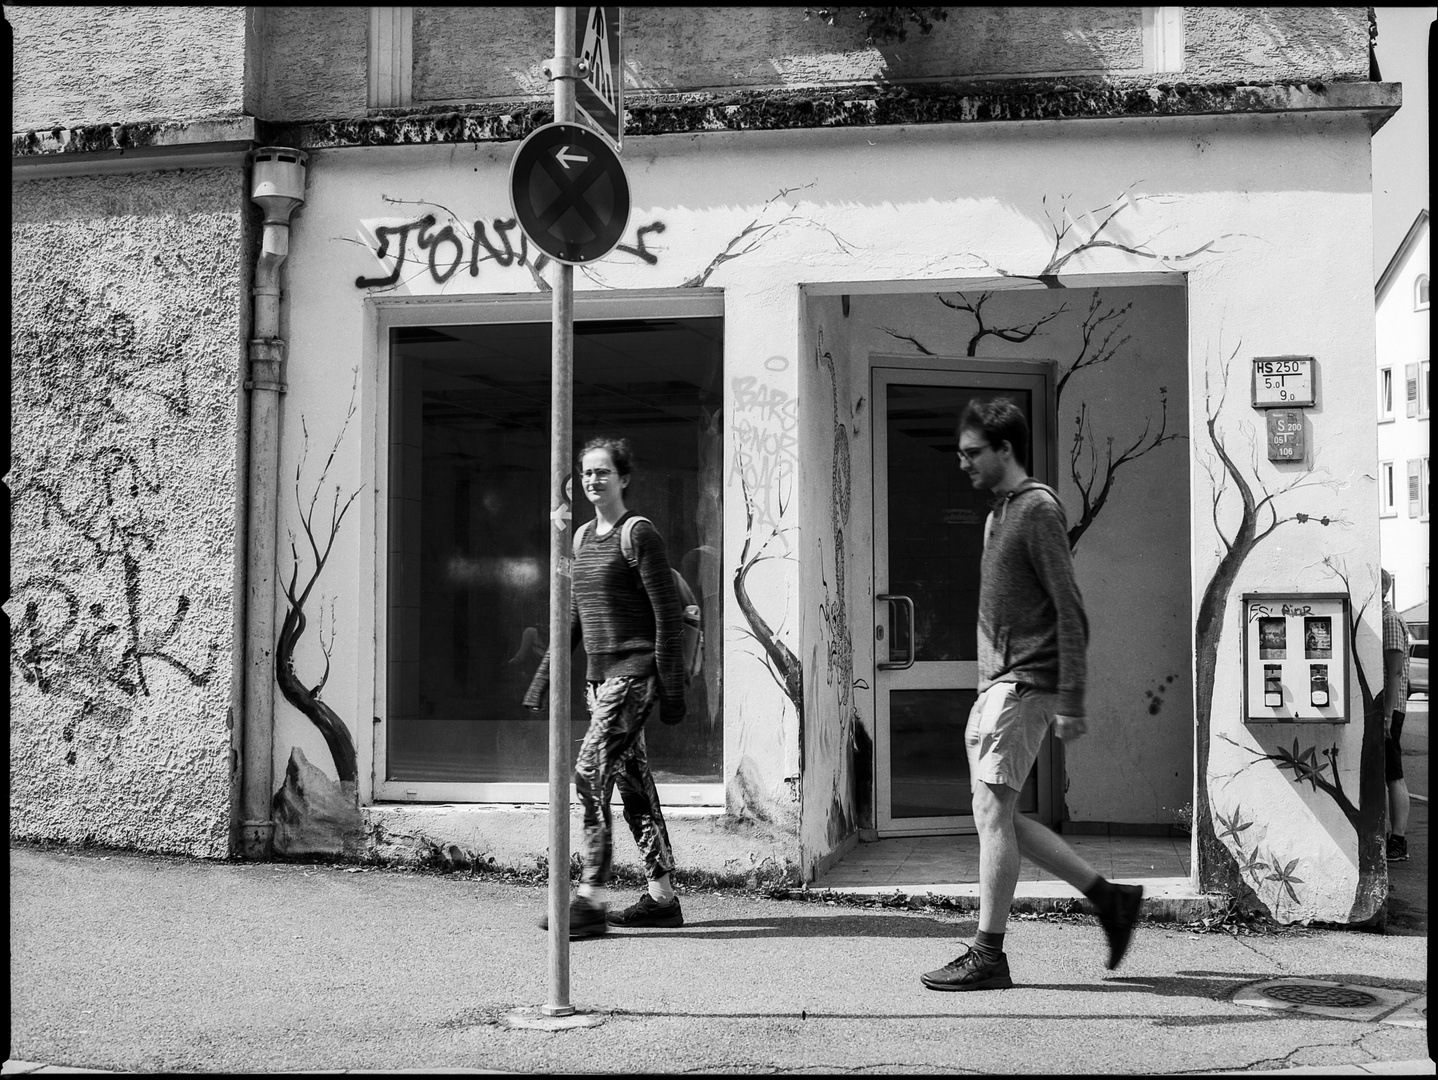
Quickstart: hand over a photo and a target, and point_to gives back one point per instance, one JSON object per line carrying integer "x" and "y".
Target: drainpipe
{"x": 277, "y": 185}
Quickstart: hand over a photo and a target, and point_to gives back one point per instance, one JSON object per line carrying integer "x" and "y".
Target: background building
{"x": 280, "y": 483}
{"x": 1402, "y": 296}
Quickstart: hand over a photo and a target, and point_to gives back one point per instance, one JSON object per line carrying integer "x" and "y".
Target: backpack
{"x": 692, "y": 635}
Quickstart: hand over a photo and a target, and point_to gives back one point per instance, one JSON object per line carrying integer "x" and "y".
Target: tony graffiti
{"x": 444, "y": 251}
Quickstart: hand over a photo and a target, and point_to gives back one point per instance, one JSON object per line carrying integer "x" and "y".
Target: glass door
{"x": 928, "y": 541}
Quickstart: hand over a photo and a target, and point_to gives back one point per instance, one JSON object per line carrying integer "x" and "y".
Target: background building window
{"x": 1385, "y": 394}
{"x": 468, "y": 577}
{"x": 1387, "y": 490}
{"x": 1423, "y": 375}
{"x": 1420, "y": 293}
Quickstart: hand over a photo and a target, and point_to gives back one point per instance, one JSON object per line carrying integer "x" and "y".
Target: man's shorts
{"x": 1393, "y": 752}
{"x": 1006, "y": 728}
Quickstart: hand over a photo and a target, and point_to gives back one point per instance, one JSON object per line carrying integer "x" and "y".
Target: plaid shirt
{"x": 1395, "y": 636}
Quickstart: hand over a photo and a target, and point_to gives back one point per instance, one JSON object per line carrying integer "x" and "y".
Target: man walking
{"x": 1032, "y": 638}
{"x": 1395, "y": 706}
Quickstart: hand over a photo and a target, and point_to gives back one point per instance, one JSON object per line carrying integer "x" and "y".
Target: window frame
{"x": 1419, "y": 285}
{"x": 1385, "y": 395}
{"x": 381, "y": 315}
{"x": 1424, "y": 404}
{"x": 1387, "y": 489}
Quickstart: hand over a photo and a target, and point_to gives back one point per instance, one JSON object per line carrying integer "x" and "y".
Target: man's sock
{"x": 989, "y": 944}
{"x": 661, "y": 889}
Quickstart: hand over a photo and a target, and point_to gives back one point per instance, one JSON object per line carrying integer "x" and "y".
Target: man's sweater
{"x": 1032, "y": 627}
{"x": 613, "y": 611}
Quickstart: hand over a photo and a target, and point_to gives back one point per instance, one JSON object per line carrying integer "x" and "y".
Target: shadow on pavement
{"x": 875, "y": 925}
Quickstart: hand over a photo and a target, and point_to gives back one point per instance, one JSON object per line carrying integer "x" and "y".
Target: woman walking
{"x": 626, "y": 610}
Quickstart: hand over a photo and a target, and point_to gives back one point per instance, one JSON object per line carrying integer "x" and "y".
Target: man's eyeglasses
{"x": 972, "y": 453}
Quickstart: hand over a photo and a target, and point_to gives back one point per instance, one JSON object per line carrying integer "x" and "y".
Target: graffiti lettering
{"x": 766, "y": 446}
{"x": 442, "y": 251}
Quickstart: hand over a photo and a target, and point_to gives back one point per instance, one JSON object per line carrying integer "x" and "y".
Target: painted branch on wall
{"x": 307, "y": 698}
{"x": 1258, "y": 519}
{"x": 756, "y": 232}
{"x": 1095, "y": 230}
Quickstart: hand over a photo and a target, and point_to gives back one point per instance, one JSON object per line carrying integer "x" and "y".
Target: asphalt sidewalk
{"x": 125, "y": 962}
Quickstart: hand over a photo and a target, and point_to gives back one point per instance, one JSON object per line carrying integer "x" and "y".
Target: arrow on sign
{"x": 560, "y": 515}
{"x": 564, "y": 157}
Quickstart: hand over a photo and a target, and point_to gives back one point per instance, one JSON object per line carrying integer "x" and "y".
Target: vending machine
{"x": 1295, "y": 657}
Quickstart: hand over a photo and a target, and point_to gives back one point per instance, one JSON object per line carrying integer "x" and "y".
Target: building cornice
{"x": 131, "y": 147}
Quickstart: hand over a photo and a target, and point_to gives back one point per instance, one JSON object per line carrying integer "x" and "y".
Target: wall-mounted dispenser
{"x": 1295, "y": 657}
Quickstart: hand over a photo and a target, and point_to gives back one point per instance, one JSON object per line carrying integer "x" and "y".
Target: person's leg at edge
{"x": 1399, "y": 801}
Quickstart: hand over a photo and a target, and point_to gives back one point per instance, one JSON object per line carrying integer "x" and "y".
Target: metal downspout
{"x": 277, "y": 185}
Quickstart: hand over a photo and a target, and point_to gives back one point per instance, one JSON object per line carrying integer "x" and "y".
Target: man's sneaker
{"x": 586, "y": 919}
{"x": 1397, "y": 849}
{"x": 970, "y": 972}
{"x": 647, "y": 911}
{"x": 1118, "y": 919}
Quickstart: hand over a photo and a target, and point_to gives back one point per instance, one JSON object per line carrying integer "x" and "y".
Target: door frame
{"x": 977, "y": 370}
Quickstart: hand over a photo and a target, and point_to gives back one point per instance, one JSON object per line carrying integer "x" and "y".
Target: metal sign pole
{"x": 560, "y": 470}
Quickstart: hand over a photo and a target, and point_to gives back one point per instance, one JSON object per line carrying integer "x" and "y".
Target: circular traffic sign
{"x": 569, "y": 193}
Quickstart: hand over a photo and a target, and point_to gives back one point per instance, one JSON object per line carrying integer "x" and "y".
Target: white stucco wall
{"x": 1404, "y": 338}
{"x": 127, "y": 296}
{"x": 939, "y": 207}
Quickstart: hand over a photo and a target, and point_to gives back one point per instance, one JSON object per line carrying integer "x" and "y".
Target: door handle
{"x": 896, "y": 598}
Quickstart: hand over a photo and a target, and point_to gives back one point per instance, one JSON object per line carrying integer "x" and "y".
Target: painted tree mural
{"x": 1258, "y": 518}
{"x": 1366, "y": 815}
{"x": 307, "y": 698}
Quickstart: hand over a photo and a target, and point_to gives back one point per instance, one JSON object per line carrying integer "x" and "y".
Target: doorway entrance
{"x": 928, "y": 541}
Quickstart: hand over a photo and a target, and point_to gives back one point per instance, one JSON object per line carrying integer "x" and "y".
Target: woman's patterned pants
{"x": 613, "y": 754}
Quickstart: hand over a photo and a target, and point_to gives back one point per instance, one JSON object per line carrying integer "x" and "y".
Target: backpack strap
{"x": 626, "y": 538}
{"x": 579, "y": 535}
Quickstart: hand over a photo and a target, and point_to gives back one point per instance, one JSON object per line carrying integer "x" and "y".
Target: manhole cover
{"x": 1341, "y": 1001}
{"x": 1332, "y": 997}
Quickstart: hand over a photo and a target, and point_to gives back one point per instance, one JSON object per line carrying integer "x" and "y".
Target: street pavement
{"x": 136, "y": 963}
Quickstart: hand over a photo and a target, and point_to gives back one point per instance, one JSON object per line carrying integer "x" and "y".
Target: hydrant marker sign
{"x": 1281, "y": 382}
{"x": 1295, "y": 657}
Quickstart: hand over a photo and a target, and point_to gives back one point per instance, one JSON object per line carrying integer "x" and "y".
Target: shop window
{"x": 468, "y": 528}
{"x": 1385, "y": 394}
{"x": 1420, "y": 293}
{"x": 1387, "y": 506}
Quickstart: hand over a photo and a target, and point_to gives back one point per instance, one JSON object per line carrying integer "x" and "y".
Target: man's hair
{"x": 1387, "y": 581}
{"x": 999, "y": 421}
{"x": 619, "y": 451}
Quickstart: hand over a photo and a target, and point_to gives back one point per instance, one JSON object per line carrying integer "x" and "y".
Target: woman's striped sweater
{"x": 629, "y": 618}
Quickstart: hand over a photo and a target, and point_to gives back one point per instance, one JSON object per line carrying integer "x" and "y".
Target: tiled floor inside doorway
{"x": 954, "y": 860}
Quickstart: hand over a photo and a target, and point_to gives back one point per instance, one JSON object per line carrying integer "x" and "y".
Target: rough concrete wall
{"x": 679, "y": 49}
{"x": 87, "y": 65}
{"x": 1327, "y": 44}
{"x": 126, "y": 328}
{"x": 694, "y": 49}
{"x": 316, "y": 62}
